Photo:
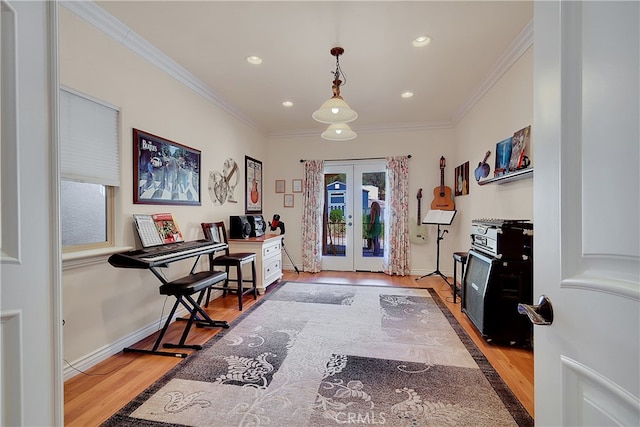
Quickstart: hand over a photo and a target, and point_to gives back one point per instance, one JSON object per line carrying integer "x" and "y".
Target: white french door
{"x": 350, "y": 190}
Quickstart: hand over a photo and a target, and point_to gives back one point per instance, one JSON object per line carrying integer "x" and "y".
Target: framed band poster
{"x": 253, "y": 191}
{"x": 164, "y": 172}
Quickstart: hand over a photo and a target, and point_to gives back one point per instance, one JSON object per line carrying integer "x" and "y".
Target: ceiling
{"x": 211, "y": 39}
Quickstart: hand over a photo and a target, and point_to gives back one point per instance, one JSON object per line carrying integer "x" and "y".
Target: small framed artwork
{"x": 297, "y": 185}
{"x": 164, "y": 172}
{"x": 280, "y": 185}
{"x": 462, "y": 179}
{"x": 520, "y": 141}
{"x": 288, "y": 200}
{"x": 253, "y": 191}
{"x": 503, "y": 156}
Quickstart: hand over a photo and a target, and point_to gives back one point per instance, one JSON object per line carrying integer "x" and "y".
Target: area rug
{"x": 312, "y": 354}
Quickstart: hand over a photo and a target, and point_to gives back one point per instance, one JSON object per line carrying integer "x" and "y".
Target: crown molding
{"x": 517, "y": 48}
{"x": 398, "y": 127}
{"x": 100, "y": 19}
{"x": 407, "y": 127}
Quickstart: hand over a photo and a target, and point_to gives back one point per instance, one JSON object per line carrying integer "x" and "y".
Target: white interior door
{"x": 351, "y": 189}
{"x": 586, "y": 211}
{"x": 31, "y": 361}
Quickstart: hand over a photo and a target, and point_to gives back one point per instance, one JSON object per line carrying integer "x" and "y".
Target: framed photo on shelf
{"x": 253, "y": 190}
{"x": 288, "y": 200}
{"x": 503, "y": 156}
{"x": 164, "y": 172}
{"x": 297, "y": 185}
{"x": 519, "y": 143}
{"x": 280, "y": 185}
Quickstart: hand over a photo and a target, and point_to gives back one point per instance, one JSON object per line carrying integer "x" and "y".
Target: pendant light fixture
{"x": 339, "y": 132}
{"x": 335, "y": 110}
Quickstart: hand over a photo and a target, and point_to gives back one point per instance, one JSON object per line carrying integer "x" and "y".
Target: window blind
{"x": 89, "y": 142}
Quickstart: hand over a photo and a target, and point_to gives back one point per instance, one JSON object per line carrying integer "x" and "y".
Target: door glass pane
{"x": 373, "y": 207}
{"x": 334, "y": 238}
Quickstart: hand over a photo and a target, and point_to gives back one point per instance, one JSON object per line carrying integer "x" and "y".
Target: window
{"x": 85, "y": 209}
{"x": 89, "y": 144}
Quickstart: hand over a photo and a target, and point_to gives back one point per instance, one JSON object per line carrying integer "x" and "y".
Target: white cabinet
{"x": 268, "y": 250}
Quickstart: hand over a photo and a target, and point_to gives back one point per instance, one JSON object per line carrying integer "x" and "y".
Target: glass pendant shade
{"x": 339, "y": 132}
{"x": 334, "y": 111}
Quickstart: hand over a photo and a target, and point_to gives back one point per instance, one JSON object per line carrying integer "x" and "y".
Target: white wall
{"x": 425, "y": 147}
{"x": 103, "y": 304}
{"x": 506, "y": 108}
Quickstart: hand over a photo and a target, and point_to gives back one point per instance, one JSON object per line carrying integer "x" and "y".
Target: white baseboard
{"x": 90, "y": 360}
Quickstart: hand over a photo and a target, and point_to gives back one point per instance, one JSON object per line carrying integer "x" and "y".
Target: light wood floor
{"x": 94, "y": 396}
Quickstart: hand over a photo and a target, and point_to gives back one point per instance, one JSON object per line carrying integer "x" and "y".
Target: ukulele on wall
{"x": 482, "y": 171}
{"x": 418, "y": 231}
{"x": 442, "y": 199}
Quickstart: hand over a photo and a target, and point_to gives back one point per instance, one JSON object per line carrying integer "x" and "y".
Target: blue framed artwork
{"x": 503, "y": 156}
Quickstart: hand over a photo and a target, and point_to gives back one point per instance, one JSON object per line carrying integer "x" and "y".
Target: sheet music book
{"x": 211, "y": 233}
{"x": 436, "y": 216}
{"x": 157, "y": 229}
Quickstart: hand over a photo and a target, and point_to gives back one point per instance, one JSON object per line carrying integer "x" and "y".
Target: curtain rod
{"x": 362, "y": 158}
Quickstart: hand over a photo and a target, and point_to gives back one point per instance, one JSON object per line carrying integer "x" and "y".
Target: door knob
{"x": 540, "y": 314}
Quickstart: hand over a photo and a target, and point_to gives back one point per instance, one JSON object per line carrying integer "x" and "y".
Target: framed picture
{"x": 253, "y": 191}
{"x": 288, "y": 200}
{"x": 503, "y": 156}
{"x": 297, "y": 185}
{"x": 280, "y": 185}
{"x": 223, "y": 183}
{"x": 519, "y": 143}
{"x": 461, "y": 179}
{"x": 164, "y": 172}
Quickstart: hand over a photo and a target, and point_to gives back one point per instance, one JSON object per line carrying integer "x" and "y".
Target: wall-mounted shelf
{"x": 511, "y": 176}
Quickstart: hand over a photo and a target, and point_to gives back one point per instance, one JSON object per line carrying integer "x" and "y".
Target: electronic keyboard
{"x": 164, "y": 254}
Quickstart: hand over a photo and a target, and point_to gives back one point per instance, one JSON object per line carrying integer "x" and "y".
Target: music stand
{"x": 438, "y": 217}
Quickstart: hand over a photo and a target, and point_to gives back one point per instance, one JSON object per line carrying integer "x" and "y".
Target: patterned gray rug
{"x": 312, "y": 354}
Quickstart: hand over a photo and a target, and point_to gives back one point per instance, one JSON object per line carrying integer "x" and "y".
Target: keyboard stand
{"x": 183, "y": 290}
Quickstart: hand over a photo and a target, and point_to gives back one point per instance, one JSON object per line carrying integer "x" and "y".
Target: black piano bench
{"x": 183, "y": 289}
{"x": 196, "y": 282}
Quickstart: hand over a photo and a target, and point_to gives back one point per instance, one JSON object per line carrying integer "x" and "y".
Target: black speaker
{"x": 474, "y": 284}
{"x": 239, "y": 227}
{"x": 258, "y": 226}
{"x": 492, "y": 289}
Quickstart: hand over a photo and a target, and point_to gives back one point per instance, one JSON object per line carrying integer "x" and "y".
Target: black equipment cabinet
{"x": 492, "y": 289}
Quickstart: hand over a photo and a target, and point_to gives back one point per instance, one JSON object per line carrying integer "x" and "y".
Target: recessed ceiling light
{"x": 407, "y": 94}
{"x": 254, "y": 60}
{"x": 287, "y": 104}
{"x": 421, "y": 41}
